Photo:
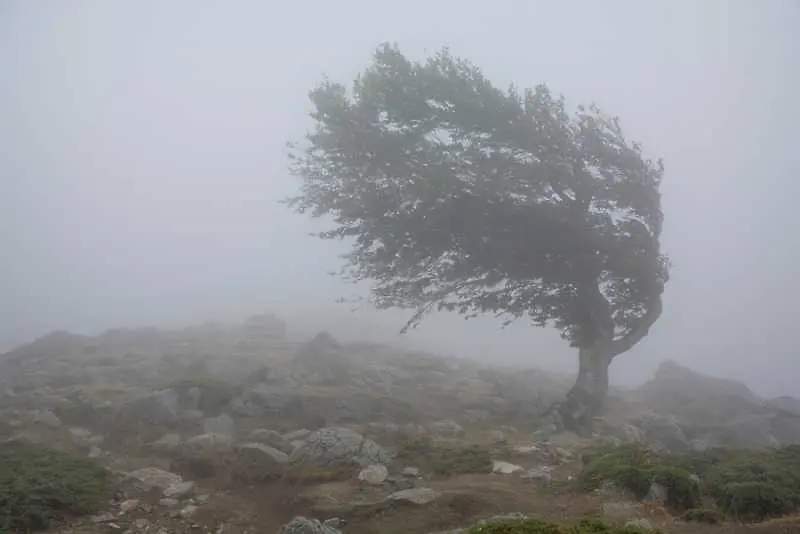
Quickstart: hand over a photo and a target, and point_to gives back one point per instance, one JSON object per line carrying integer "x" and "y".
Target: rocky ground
{"x": 235, "y": 429}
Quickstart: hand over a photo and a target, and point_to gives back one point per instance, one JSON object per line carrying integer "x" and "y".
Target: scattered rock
{"x": 414, "y": 495}
{"x": 302, "y": 525}
{"x": 505, "y": 468}
{"x": 257, "y": 461}
{"x": 272, "y": 438}
{"x": 208, "y": 442}
{"x": 167, "y": 442}
{"x": 410, "y": 471}
{"x": 446, "y": 428}
{"x": 95, "y": 452}
{"x": 373, "y": 474}
{"x": 299, "y": 434}
{"x": 339, "y": 446}
{"x": 180, "y": 490}
{"x": 47, "y": 418}
{"x": 153, "y": 477}
{"x": 189, "y": 510}
{"x": 168, "y": 502}
{"x": 127, "y": 506}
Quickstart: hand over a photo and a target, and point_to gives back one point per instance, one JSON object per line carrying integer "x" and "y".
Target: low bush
{"x": 464, "y": 460}
{"x": 536, "y": 526}
{"x": 39, "y": 486}
{"x": 743, "y": 484}
{"x": 703, "y": 515}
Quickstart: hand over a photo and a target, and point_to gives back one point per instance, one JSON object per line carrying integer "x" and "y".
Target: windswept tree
{"x": 460, "y": 196}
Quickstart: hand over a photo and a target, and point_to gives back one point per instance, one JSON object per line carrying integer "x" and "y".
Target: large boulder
{"x": 336, "y": 446}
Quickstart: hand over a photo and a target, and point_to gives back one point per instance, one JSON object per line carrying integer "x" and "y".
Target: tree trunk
{"x": 586, "y": 398}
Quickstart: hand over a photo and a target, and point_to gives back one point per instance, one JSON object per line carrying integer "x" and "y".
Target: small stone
{"x": 127, "y": 506}
{"x": 189, "y": 510}
{"x": 373, "y": 474}
{"x": 141, "y": 523}
{"x": 505, "y": 468}
{"x": 414, "y": 495}
{"x": 410, "y": 471}
{"x": 102, "y": 518}
{"x": 179, "y": 490}
{"x": 168, "y": 503}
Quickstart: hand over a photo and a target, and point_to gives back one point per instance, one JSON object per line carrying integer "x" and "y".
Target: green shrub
{"x": 635, "y": 469}
{"x": 537, "y": 526}
{"x": 745, "y": 484}
{"x": 39, "y": 486}
{"x": 703, "y": 515}
{"x": 472, "y": 459}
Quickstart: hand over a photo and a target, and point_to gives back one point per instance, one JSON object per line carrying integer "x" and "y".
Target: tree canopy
{"x": 457, "y": 195}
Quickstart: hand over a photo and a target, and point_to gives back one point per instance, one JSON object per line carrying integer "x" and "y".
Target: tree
{"x": 459, "y": 196}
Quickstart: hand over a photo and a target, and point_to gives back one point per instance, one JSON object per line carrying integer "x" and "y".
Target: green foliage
{"x": 703, "y": 515}
{"x": 460, "y": 196}
{"x": 744, "y": 484}
{"x": 537, "y": 526}
{"x": 39, "y": 486}
{"x": 464, "y": 460}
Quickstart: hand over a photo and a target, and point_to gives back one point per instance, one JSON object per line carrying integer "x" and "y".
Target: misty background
{"x": 142, "y": 158}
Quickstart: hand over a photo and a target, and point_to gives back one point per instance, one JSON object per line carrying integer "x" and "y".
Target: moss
{"x": 536, "y": 526}
{"x": 39, "y": 486}
{"x": 464, "y": 460}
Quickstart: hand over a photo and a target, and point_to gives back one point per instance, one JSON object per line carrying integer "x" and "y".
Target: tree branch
{"x": 627, "y": 342}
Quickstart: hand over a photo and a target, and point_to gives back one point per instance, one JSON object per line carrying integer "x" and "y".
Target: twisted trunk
{"x": 586, "y": 398}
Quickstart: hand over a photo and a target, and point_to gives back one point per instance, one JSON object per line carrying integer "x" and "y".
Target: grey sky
{"x": 142, "y": 156}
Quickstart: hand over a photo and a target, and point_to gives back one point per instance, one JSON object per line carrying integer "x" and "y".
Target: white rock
{"x": 414, "y": 495}
{"x": 153, "y": 477}
{"x": 505, "y": 468}
{"x": 179, "y": 490}
{"x": 373, "y": 474}
{"x": 127, "y": 506}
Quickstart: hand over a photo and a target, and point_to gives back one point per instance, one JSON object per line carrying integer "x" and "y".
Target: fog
{"x": 142, "y": 158}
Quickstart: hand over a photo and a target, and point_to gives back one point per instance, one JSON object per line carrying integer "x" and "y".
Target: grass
{"x": 422, "y": 452}
{"x": 40, "y": 486}
{"x": 742, "y": 484}
{"x": 536, "y": 526}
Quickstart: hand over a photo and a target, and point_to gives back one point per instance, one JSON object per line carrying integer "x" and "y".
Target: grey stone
{"x": 414, "y": 495}
{"x": 153, "y": 477}
{"x": 373, "y": 474}
{"x": 339, "y": 446}
{"x": 302, "y": 525}
{"x": 180, "y": 490}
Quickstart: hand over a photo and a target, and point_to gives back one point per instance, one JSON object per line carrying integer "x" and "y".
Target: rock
{"x": 153, "y": 477}
{"x": 271, "y": 438}
{"x": 446, "y": 428}
{"x": 127, "y": 506}
{"x": 294, "y": 435}
{"x": 632, "y": 433}
{"x": 640, "y": 524}
{"x": 209, "y": 442}
{"x": 335, "y": 446}
{"x": 505, "y": 468}
{"x": 47, "y": 418}
{"x": 301, "y": 525}
{"x": 663, "y": 431}
{"x": 246, "y": 407}
{"x": 414, "y": 495}
{"x": 189, "y": 510}
{"x": 257, "y": 461}
{"x": 169, "y": 502}
{"x": 526, "y": 449}
{"x": 373, "y": 474}
{"x": 222, "y": 424}
{"x": 193, "y": 396}
{"x": 80, "y": 434}
{"x": 193, "y": 415}
{"x": 410, "y": 472}
{"x": 167, "y": 442}
{"x": 180, "y": 490}
{"x": 95, "y": 452}
{"x": 141, "y": 523}
{"x": 399, "y": 483}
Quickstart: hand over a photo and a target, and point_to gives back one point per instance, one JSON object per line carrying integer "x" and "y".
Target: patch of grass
{"x": 744, "y": 484}
{"x": 463, "y": 460}
{"x": 40, "y": 486}
{"x": 537, "y": 526}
